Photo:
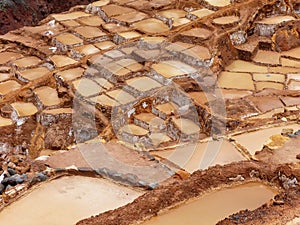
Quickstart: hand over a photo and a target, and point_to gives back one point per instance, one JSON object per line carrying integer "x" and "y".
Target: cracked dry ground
{"x": 163, "y": 102}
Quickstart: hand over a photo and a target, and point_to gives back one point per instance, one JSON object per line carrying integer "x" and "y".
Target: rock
{"x": 6, "y": 181}
{"x": 236, "y": 217}
{"x": 298, "y": 156}
{"x": 20, "y": 187}
{"x": 239, "y": 37}
{"x": 5, "y": 197}
{"x": 41, "y": 177}
{"x": 102, "y": 171}
{"x": 13, "y": 180}
{"x": 254, "y": 173}
{"x": 2, "y": 188}
{"x": 117, "y": 176}
{"x": 83, "y": 135}
{"x": 85, "y": 169}
{"x": 72, "y": 168}
{"x": 297, "y": 133}
{"x": 11, "y": 171}
{"x": 98, "y": 171}
{"x": 142, "y": 183}
{"x": 19, "y": 180}
{"x": 278, "y": 202}
{"x": 8, "y": 187}
{"x": 24, "y": 176}
{"x": 237, "y": 178}
{"x": 49, "y": 171}
{"x": 110, "y": 173}
{"x": 42, "y": 158}
{"x": 183, "y": 174}
{"x": 11, "y": 165}
{"x": 11, "y": 192}
{"x": 33, "y": 181}
{"x": 59, "y": 170}
{"x": 106, "y": 172}
{"x": 285, "y": 39}
{"x": 287, "y": 182}
{"x": 152, "y": 186}
{"x": 287, "y": 131}
{"x": 291, "y": 135}
{"x": 131, "y": 179}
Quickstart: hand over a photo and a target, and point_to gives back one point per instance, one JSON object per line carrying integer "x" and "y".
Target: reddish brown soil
{"x": 30, "y": 12}
{"x": 286, "y": 154}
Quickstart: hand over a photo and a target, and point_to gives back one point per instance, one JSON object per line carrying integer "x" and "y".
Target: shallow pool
{"x": 215, "y": 206}
{"x": 67, "y": 200}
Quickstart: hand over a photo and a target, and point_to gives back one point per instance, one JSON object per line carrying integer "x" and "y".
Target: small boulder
{"x": 41, "y": 177}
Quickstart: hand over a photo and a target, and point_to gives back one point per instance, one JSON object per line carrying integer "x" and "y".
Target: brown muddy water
{"x": 217, "y": 205}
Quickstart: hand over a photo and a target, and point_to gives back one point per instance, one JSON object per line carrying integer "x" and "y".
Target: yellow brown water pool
{"x": 67, "y": 200}
{"x": 215, "y": 206}
{"x": 202, "y": 155}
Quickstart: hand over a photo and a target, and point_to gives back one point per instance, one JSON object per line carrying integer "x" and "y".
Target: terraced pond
{"x": 215, "y": 206}
{"x": 66, "y": 201}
